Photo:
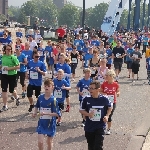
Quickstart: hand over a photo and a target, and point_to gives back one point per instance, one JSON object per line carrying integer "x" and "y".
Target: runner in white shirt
{"x": 32, "y": 43}
{"x": 38, "y": 37}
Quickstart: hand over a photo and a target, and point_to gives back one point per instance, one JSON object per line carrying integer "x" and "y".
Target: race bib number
{"x": 93, "y": 71}
{"x": 77, "y": 43}
{"x": 101, "y": 80}
{"x": 41, "y": 53}
{"x": 134, "y": 55}
{"x": 57, "y": 93}
{"x": 117, "y": 55}
{"x": 33, "y": 75}
{"x": 47, "y": 54}
{"x": 111, "y": 98}
{"x": 4, "y": 71}
{"x": 85, "y": 93}
{"x": 74, "y": 60}
{"x": 87, "y": 63}
{"x": 97, "y": 114}
{"x": 101, "y": 56}
{"x": 46, "y": 111}
{"x": 139, "y": 41}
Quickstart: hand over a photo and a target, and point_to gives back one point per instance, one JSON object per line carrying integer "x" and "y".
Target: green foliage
{"x": 70, "y": 14}
{"x": 96, "y": 15}
{"x": 2, "y": 17}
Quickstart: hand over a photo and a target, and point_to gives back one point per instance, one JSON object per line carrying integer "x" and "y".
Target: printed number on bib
{"x": 77, "y": 43}
{"x": 134, "y": 55}
{"x": 93, "y": 71}
{"x": 33, "y": 75}
{"x": 57, "y": 93}
{"x": 85, "y": 92}
{"x": 111, "y": 98}
{"x": 97, "y": 114}
{"x": 74, "y": 60}
{"x": 117, "y": 55}
{"x": 101, "y": 80}
{"x": 46, "y": 111}
{"x": 4, "y": 71}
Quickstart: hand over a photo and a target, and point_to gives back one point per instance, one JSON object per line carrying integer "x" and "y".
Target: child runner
{"x": 74, "y": 62}
{"x": 60, "y": 88}
{"x": 97, "y": 109}
{"x": 102, "y": 70}
{"x": 83, "y": 87}
{"x": 49, "y": 110}
{"x": 111, "y": 89}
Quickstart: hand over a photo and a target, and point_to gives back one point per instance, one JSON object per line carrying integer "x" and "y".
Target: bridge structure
{"x": 115, "y": 10}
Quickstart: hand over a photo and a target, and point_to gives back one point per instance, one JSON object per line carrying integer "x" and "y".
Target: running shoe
{"x": 58, "y": 124}
{"x": 17, "y": 102}
{"x": 12, "y": 98}
{"x": 31, "y": 107}
{"x": 83, "y": 123}
{"x": 23, "y": 95}
{"x": 107, "y": 132}
{"x": 67, "y": 108}
{"x": 4, "y": 108}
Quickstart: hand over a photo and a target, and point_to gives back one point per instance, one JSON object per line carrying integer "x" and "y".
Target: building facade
{"x": 60, "y": 3}
{"x": 4, "y": 7}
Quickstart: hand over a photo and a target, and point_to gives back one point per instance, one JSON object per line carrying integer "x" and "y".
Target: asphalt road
{"x": 17, "y": 127}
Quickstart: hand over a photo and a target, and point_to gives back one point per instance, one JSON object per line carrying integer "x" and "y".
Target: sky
{"x": 89, "y": 3}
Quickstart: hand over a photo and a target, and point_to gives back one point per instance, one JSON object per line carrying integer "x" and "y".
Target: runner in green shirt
{"x": 9, "y": 67}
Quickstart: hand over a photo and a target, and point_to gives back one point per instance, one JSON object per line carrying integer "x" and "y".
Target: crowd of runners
{"x": 101, "y": 59}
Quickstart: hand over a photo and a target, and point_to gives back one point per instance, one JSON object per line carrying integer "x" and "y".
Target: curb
{"x": 139, "y": 136}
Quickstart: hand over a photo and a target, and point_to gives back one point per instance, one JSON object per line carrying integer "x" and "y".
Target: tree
{"x": 96, "y": 15}
{"x": 69, "y": 15}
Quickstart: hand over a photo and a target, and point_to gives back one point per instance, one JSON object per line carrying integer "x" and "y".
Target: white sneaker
{"x": 107, "y": 132}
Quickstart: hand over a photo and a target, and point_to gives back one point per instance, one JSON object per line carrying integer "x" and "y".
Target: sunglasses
{"x": 37, "y": 56}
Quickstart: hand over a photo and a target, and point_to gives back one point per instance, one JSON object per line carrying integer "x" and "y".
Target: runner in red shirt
{"x": 19, "y": 44}
{"x": 111, "y": 89}
{"x": 60, "y": 33}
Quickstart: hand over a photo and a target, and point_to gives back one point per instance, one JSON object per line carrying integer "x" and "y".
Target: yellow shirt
{"x": 147, "y": 54}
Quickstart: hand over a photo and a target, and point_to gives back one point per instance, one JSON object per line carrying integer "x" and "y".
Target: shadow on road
{"x": 30, "y": 130}
{"x": 72, "y": 140}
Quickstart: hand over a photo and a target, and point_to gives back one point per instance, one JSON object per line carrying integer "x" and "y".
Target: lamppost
{"x": 28, "y": 17}
{"x": 83, "y": 19}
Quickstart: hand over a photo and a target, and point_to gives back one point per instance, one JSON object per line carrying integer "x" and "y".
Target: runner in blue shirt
{"x": 21, "y": 73}
{"x": 129, "y": 60}
{"x": 108, "y": 56}
{"x": 5, "y": 40}
{"x": 37, "y": 69}
{"x": 27, "y": 52}
{"x": 97, "y": 109}
{"x": 49, "y": 110}
{"x": 95, "y": 42}
{"x": 48, "y": 51}
{"x": 60, "y": 88}
{"x": 145, "y": 43}
{"x": 87, "y": 57}
{"x": 83, "y": 87}
{"x": 19, "y": 33}
{"x": 41, "y": 51}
